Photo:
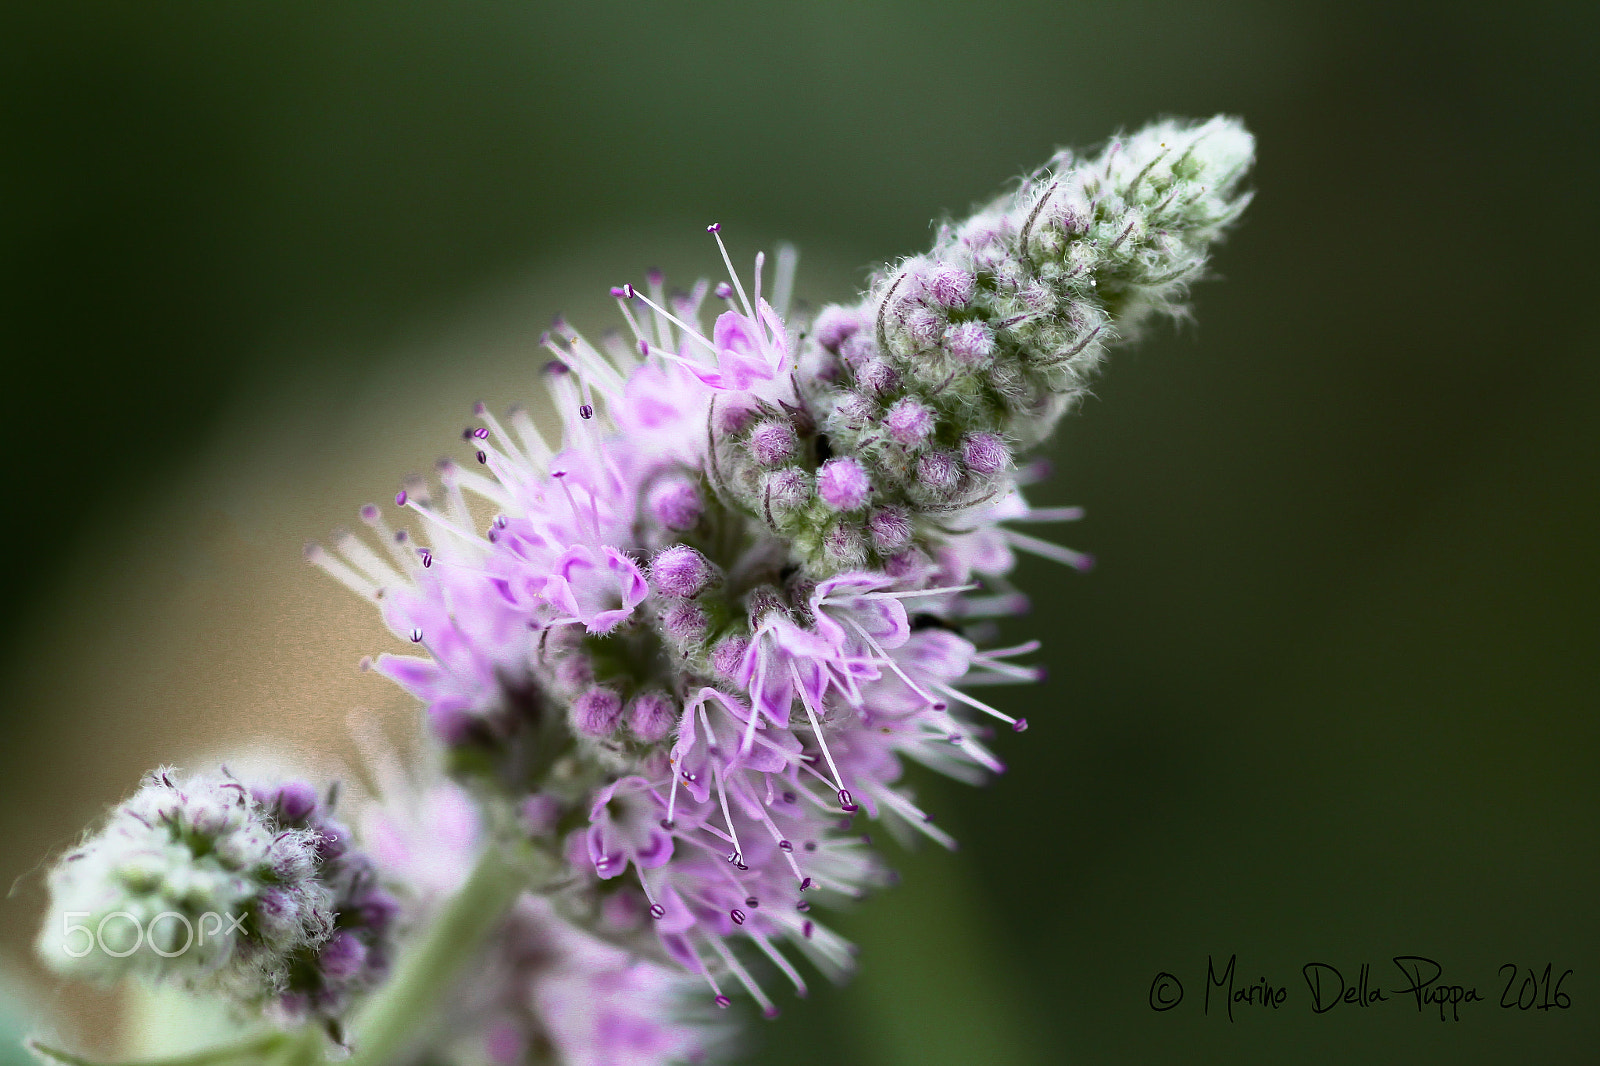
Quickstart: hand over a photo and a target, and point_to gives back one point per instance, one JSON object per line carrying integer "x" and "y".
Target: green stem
{"x": 412, "y": 997}
{"x": 253, "y": 1047}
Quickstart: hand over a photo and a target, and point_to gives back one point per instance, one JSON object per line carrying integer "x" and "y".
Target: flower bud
{"x": 843, "y": 484}
{"x": 844, "y": 546}
{"x": 651, "y": 716}
{"x": 597, "y": 712}
{"x": 970, "y": 342}
{"x": 684, "y": 624}
{"x": 855, "y": 409}
{"x": 773, "y": 443}
{"x": 858, "y": 348}
{"x": 985, "y": 453}
{"x": 924, "y": 325}
{"x": 834, "y": 325}
{"x": 728, "y": 653}
{"x": 909, "y": 422}
{"x": 877, "y": 376}
{"x": 676, "y": 503}
{"x": 952, "y": 287}
{"x": 682, "y": 571}
{"x": 939, "y": 473}
{"x": 890, "y": 528}
{"x": 786, "y": 490}
{"x": 343, "y": 956}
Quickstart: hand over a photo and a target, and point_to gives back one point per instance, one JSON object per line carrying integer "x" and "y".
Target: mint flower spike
{"x": 204, "y": 881}
{"x": 701, "y": 633}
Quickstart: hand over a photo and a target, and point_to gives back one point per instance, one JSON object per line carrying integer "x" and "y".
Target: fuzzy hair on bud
{"x": 773, "y": 443}
{"x": 651, "y": 716}
{"x": 985, "y": 453}
{"x": 597, "y": 712}
{"x": 681, "y": 571}
{"x": 909, "y": 422}
{"x": 835, "y": 325}
{"x": 890, "y": 528}
{"x": 970, "y": 342}
{"x": 953, "y": 287}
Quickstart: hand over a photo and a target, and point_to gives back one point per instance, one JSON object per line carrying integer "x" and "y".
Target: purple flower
{"x": 623, "y": 828}
{"x": 598, "y": 588}
{"x": 748, "y": 352}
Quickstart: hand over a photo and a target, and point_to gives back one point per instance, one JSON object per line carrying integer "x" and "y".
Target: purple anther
{"x": 723, "y": 290}
{"x": 416, "y": 636}
{"x": 715, "y": 227}
{"x": 769, "y": 1011}
{"x": 784, "y": 845}
{"x": 657, "y": 911}
{"x": 482, "y": 458}
{"x": 586, "y": 411}
{"x": 805, "y": 930}
{"x": 668, "y": 824}
{"x": 805, "y": 883}
{"x": 482, "y": 433}
{"x": 737, "y": 915}
{"x": 751, "y": 901}
{"x": 400, "y": 498}
{"x": 1020, "y": 725}
{"x": 802, "y": 906}
{"x": 616, "y": 290}
{"x": 847, "y": 801}
{"x": 369, "y": 513}
{"x": 427, "y": 558}
{"x": 723, "y": 1001}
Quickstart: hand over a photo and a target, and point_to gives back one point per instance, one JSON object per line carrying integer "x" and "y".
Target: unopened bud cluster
{"x": 921, "y": 392}
{"x": 253, "y": 892}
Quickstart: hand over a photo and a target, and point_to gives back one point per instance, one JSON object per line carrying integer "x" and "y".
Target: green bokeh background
{"x": 1331, "y": 693}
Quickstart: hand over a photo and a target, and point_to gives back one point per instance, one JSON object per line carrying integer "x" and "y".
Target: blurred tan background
{"x": 1330, "y": 694}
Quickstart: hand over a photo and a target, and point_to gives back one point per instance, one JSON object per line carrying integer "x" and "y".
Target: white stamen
{"x": 734, "y": 277}
{"x": 1043, "y": 548}
{"x": 1048, "y": 514}
{"x": 955, "y": 693}
{"x": 783, "y": 279}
